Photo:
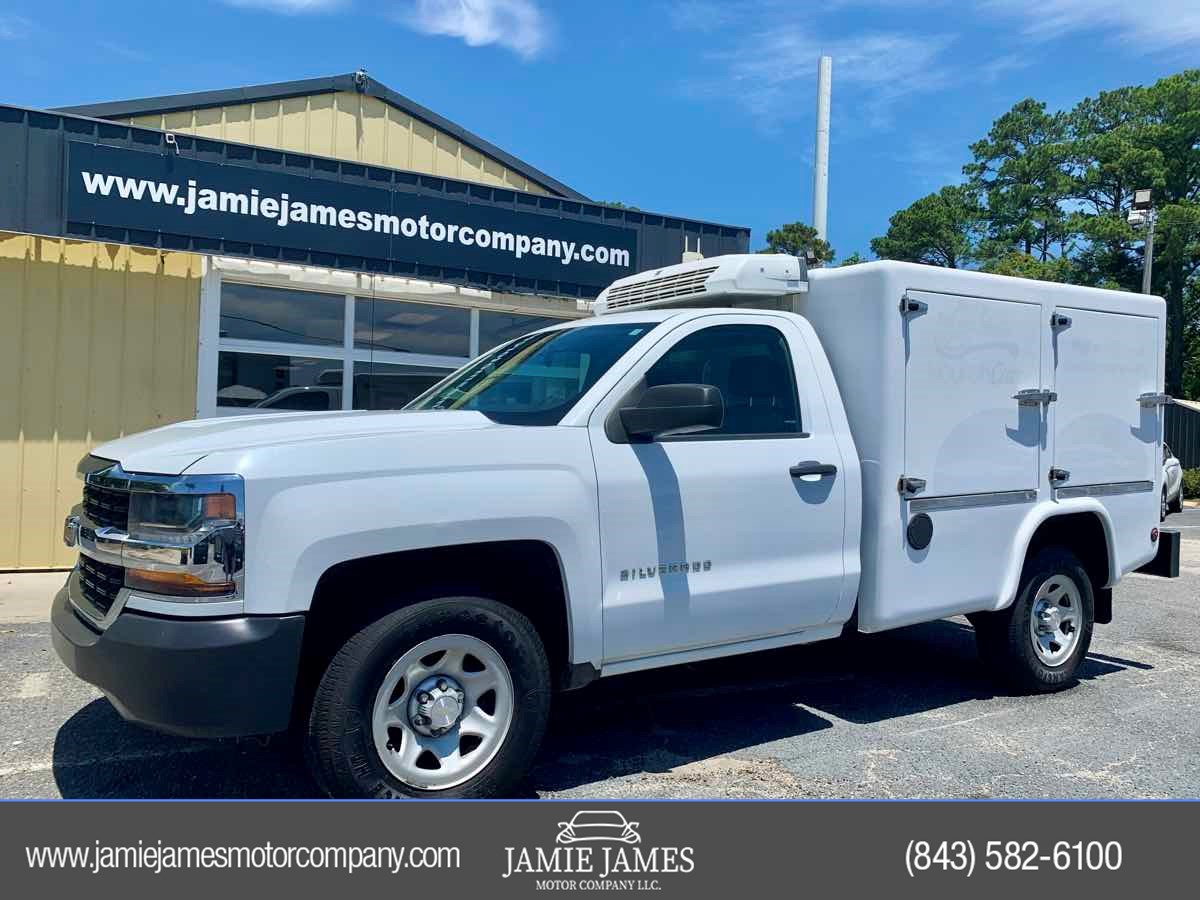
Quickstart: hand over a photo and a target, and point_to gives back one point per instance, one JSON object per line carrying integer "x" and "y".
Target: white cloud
{"x": 771, "y": 71}
{"x": 1137, "y": 24}
{"x": 289, "y": 7}
{"x": 113, "y": 48}
{"x": 704, "y": 15}
{"x": 994, "y": 69}
{"x": 13, "y": 27}
{"x": 518, "y": 25}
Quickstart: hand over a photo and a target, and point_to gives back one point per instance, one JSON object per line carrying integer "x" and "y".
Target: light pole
{"x": 821, "y": 156}
{"x": 1142, "y": 212}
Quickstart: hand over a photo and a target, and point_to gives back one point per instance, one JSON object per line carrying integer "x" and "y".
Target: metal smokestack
{"x": 821, "y": 161}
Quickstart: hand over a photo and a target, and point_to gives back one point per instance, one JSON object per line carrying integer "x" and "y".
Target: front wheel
{"x": 1037, "y": 644}
{"x": 1163, "y": 507}
{"x": 446, "y": 698}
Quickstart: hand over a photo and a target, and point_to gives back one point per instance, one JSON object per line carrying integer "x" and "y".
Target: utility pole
{"x": 821, "y": 159}
{"x": 1148, "y": 268}
{"x": 1142, "y": 212}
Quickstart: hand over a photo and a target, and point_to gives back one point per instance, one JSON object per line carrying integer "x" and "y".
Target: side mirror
{"x": 674, "y": 409}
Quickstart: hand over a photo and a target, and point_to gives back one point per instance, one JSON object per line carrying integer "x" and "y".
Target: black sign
{"x": 171, "y": 193}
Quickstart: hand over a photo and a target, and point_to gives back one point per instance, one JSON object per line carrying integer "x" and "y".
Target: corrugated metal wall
{"x": 348, "y": 126}
{"x": 1183, "y": 433}
{"x": 96, "y": 341}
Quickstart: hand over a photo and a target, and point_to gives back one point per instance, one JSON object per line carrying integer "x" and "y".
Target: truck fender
{"x": 1037, "y": 516}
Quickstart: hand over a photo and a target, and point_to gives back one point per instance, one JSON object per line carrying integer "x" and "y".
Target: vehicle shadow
{"x": 98, "y": 754}
{"x": 653, "y": 721}
{"x": 663, "y": 719}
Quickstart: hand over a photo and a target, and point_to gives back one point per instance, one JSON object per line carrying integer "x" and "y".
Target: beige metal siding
{"x": 347, "y": 126}
{"x": 97, "y": 341}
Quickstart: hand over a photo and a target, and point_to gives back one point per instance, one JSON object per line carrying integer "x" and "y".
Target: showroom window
{"x": 495, "y": 328}
{"x": 279, "y": 348}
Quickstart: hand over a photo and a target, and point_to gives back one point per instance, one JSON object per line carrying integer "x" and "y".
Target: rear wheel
{"x": 1176, "y": 505}
{"x": 447, "y": 698}
{"x": 1038, "y": 643}
{"x": 1164, "y": 507}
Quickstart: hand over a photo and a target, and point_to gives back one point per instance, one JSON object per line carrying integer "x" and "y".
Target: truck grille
{"x": 106, "y": 507}
{"x": 100, "y": 583}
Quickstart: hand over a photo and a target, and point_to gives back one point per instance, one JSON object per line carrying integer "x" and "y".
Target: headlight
{"x": 183, "y": 536}
{"x": 184, "y": 544}
{"x": 178, "y": 517}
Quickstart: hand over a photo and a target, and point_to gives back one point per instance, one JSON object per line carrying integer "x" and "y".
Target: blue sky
{"x": 694, "y": 108}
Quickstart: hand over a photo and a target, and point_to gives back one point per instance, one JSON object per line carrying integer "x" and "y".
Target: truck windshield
{"x": 535, "y": 379}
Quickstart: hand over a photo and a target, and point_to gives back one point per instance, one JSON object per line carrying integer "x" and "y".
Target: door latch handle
{"x": 1034, "y": 397}
{"x": 812, "y": 467}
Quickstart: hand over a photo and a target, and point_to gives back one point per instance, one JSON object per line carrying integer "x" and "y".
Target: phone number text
{"x": 962, "y": 856}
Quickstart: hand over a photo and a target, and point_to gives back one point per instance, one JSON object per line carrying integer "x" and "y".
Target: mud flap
{"x": 1166, "y": 563}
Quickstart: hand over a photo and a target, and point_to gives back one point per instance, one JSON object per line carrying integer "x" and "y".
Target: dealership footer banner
{"x": 523, "y": 849}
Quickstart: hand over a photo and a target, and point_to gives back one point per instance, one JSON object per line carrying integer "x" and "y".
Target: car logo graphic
{"x": 598, "y": 825}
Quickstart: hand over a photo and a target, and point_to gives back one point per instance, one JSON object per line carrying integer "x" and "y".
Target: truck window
{"x": 535, "y": 379}
{"x": 751, "y": 366}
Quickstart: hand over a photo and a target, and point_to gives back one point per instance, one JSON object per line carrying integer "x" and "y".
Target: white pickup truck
{"x": 734, "y": 454}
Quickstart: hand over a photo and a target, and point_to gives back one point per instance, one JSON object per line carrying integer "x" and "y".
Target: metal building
{"x": 318, "y": 244}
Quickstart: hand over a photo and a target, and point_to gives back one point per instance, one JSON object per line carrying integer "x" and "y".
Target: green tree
{"x": 797, "y": 239}
{"x": 1143, "y": 137}
{"x": 852, "y": 260}
{"x": 1054, "y": 191}
{"x": 1022, "y": 265}
{"x": 1191, "y": 364}
{"x": 939, "y": 230}
{"x": 1022, "y": 170}
{"x": 1106, "y": 164}
{"x": 1168, "y": 126}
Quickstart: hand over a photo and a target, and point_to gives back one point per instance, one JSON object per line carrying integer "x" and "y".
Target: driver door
{"x": 710, "y": 538}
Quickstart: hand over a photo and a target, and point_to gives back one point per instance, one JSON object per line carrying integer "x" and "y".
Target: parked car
{"x": 732, "y": 455}
{"x": 1172, "y": 492}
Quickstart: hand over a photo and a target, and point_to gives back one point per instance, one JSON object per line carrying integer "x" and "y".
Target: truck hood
{"x": 170, "y": 450}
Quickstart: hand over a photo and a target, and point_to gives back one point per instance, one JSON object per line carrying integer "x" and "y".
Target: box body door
{"x": 966, "y": 359}
{"x": 1102, "y": 363}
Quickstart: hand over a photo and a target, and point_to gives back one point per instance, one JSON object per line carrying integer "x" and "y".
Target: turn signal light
{"x": 220, "y": 506}
{"x": 176, "y": 584}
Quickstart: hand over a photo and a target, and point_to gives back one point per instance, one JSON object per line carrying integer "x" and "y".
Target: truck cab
{"x": 734, "y": 454}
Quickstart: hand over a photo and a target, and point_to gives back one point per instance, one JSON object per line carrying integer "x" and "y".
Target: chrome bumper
{"x": 213, "y": 555}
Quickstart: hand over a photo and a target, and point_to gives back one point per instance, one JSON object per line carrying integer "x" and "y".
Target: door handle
{"x": 1034, "y": 397}
{"x": 812, "y": 467}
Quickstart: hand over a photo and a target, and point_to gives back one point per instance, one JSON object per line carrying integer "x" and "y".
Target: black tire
{"x": 1164, "y": 507}
{"x": 340, "y": 748}
{"x": 1176, "y": 505}
{"x": 1004, "y": 639}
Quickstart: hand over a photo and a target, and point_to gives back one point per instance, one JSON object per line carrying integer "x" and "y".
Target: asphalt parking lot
{"x": 904, "y": 714}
